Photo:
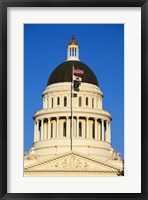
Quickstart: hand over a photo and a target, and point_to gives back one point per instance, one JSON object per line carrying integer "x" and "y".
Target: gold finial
{"x": 73, "y": 41}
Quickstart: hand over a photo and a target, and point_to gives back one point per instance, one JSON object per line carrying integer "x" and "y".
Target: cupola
{"x": 73, "y": 49}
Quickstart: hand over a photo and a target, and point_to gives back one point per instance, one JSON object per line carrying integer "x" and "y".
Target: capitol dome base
{"x": 48, "y": 148}
{"x": 86, "y": 157}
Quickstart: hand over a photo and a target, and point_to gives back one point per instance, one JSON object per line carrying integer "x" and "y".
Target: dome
{"x": 63, "y": 73}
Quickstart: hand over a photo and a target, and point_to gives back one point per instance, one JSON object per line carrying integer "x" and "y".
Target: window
{"x": 92, "y": 102}
{"x": 80, "y": 129}
{"x": 73, "y": 51}
{"x": 39, "y": 129}
{"x": 65, "y": 101}
{"x": 86, "y": 101}
{"x": 93, "y": 130}
{"x": 80, "y": 101}
{"x": 52, "y": 102}
{"x": 64, "y": 129}
{"x": 58, "y": 101}
{"x": 51, "y": 130}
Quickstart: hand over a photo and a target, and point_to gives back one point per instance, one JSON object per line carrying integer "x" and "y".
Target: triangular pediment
{"x": 71, "y": 162}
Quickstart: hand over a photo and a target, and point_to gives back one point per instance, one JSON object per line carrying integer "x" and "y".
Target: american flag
{"x": 78, "y": 71}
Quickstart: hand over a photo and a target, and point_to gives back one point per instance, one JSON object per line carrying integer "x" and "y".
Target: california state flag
{"x": 77, "y": 78}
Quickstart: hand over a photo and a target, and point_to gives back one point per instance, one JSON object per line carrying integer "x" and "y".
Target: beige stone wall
{"x": 91, "y": 133}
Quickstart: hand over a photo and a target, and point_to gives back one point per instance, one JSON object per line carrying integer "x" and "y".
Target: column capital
{"x": 42, "y": 119}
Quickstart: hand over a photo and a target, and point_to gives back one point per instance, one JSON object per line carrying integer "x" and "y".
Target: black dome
{"x": 63, "y": 73}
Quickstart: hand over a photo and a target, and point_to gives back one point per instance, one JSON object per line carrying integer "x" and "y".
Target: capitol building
{"x": 72, "y": 132}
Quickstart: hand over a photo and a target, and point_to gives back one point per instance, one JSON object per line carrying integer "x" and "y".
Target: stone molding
{"x": 71, "y": 162}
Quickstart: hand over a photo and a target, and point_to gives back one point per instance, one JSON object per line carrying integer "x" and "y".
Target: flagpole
{"x": 72, "y": 85}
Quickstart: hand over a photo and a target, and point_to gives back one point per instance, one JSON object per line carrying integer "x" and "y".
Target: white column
{"x": 83, "y": 128}
{"x": 107, "y": 131}
{"x": 77, "y": 127}
{"x": 57, "y": 128}
{"x": 74, "y": 127}
{"x": 43, "y": 102}
{"x": 87, "y": 133}
{"x": 68, "y": 128}
{"x": 109, "y": 138}
{"x": 45, "y": 130}
{"x": 78, "y": 53}
{"x": 38, "y": 131}
{"x": 47, "y": 103}
{"x": 67, "y": 53}
{"x": 99, "y": 132}
{"x": 42, "y": 129}
{"x": 49, "y": 127}
{"x": 102, "y": 121}
{"x": 96, "y": 130}
{"x": 35, "y": 132}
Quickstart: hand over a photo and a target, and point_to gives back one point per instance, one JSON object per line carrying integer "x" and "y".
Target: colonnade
{"x": 83, "y": 127}
{"x": 73, "y": 52}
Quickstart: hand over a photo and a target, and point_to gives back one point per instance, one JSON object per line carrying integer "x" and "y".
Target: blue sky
{"x": 101, "y": 48}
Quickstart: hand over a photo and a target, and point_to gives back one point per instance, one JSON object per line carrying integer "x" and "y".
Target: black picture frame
{"x": 4, "y": 4}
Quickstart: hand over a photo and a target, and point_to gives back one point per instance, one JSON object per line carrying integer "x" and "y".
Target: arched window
{"x": 51, "y": 102}
{"x": 64, "y": 129}
{"x": 65, "y": 101}
{"x": 51, "y": 130}
{"x": 93, "y": 130}
{"x": 58, "y": 101}
{"x": 80, "y": 101}
{"x": 86, "y": 101}
{"x": 92, "y": 102}
{"x": 80, "y": 129}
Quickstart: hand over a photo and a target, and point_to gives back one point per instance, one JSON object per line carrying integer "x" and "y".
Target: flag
{"x": 78, "y": 71}
{"x": 77, "y": 78}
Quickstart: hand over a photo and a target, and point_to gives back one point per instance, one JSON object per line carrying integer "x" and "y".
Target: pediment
{"x": 71, "y": 162}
